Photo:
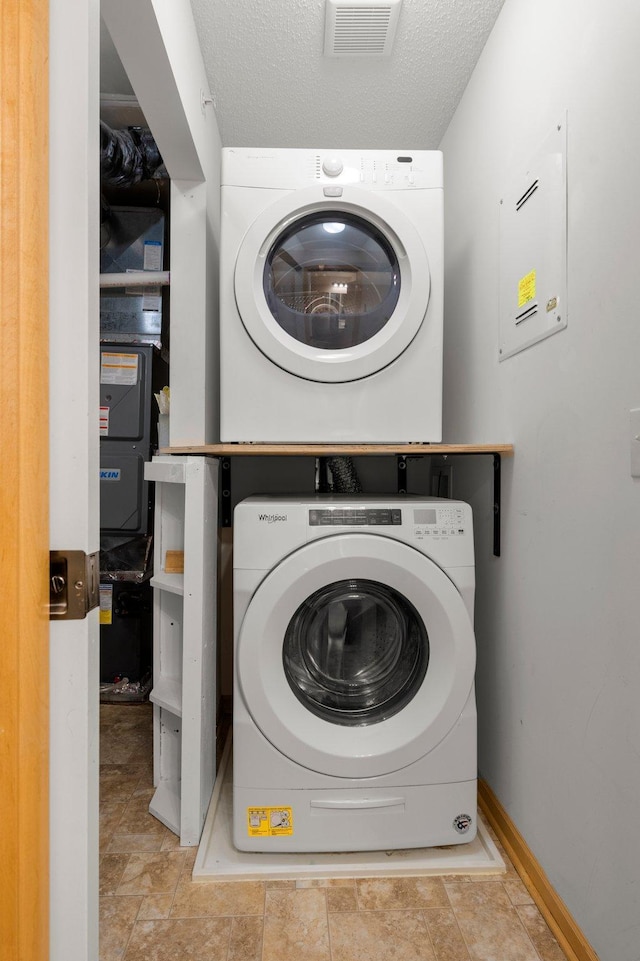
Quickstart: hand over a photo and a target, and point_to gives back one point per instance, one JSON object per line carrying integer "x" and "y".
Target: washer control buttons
{"x": 438, "y": 522}
{"x": 366, "y": 517}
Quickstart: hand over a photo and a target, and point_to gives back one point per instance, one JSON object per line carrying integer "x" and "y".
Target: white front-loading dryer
{"x": 331, "y": 292}
{"x": 354, "y": 720}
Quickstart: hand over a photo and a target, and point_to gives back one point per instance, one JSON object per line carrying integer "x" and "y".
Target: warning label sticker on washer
{"x": 269, "y": 822}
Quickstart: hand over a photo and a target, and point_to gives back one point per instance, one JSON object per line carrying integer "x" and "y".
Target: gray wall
{"x": 557, "y": 615}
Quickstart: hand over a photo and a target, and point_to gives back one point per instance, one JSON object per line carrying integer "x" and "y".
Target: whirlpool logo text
{"x": 272, "y": 518}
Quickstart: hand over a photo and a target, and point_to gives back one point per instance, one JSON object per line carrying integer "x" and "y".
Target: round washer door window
{"x": 332, "y": 290}
{"x": 355, "y": 652}
{"x": 331, "y": 280}
{"x": 361, "y": 694}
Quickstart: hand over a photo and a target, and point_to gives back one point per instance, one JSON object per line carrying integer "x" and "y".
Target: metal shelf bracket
{"x": 497, "y": 494}
{"x": 226, "y": 518}
{"x": 402, "y": 463}
{"x": 401, "y": 479}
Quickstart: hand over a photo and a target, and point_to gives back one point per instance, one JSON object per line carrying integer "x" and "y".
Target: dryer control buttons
{"x": 332, "y": 166}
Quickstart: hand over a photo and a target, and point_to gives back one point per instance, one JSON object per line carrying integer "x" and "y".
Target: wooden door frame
{"x": 24, "y": 487}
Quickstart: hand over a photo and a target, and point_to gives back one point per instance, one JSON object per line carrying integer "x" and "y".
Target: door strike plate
{"x": 74, "y": 584}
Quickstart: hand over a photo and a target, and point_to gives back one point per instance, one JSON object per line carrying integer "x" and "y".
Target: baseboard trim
{"x": 551, "y": 906}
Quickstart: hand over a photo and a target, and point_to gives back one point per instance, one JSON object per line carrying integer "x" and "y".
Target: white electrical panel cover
{"x": 533, "y": 249}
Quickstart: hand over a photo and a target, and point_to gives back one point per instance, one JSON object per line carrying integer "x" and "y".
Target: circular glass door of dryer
{"x": 356, "y": 655}
{"x": 332, "y": 281}
{"x": 332, "y": 291}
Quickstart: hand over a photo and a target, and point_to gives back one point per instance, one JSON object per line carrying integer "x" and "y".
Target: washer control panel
{"x": 438, "y": 522}
{"x": 350, "y": 517}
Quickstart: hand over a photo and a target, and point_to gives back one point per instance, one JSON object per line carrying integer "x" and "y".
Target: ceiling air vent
{"x": 360, "y": 28}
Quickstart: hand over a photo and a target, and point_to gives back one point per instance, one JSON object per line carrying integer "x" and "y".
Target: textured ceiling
{"x": 273, "y": 87}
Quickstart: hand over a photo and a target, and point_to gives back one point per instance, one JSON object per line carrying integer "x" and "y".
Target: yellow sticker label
{"x": 106, "y": 604}
{"x": 527, "y": 288}
{"x": 269, "y": 822}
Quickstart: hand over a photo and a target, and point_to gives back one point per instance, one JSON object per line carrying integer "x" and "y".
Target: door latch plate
{"x": 74, "y": 584}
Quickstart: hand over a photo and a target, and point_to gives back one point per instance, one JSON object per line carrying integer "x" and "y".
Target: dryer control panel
{"x": 373, "y": 169}
{"x": 297, "y": 168}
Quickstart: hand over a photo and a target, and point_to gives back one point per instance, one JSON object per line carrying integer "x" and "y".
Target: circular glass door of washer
{"x": 355, "y": 652}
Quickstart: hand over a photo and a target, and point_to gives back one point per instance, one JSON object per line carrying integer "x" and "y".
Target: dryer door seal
{"x": 304, "y": 320}
{"x": 381, "y": 744}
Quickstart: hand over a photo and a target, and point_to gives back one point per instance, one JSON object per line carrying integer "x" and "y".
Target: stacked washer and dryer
{"x": 354, "y": 652}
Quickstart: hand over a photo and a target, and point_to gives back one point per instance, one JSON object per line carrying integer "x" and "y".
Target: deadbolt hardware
{"x": 74, "y": 584}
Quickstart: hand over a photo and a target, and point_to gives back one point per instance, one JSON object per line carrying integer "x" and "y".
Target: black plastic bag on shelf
{"x": 128, "y": 156}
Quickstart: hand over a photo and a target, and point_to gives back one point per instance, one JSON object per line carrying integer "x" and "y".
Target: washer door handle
{"x": 358, "y": 804}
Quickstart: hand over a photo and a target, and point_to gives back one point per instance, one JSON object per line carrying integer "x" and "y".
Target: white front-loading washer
{"x": 354, "y": 719}
{"x": 331, "y": 293}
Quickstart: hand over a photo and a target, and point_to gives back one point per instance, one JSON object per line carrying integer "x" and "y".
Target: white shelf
{"x": 165, "y": 470}
{"x": 167, "y": 693}
{"x": 174, "y": 583}
{"x": 165, "y": 804}
{"x": 184, "y": 694}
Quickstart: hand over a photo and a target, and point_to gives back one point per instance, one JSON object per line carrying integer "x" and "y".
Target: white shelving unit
{"x": 184, "y": 691}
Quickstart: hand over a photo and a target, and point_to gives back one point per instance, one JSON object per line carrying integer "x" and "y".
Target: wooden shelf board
{"x": 323, "y": 450}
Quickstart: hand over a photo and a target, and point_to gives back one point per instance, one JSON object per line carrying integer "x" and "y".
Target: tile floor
{"x": 150, "y": 910}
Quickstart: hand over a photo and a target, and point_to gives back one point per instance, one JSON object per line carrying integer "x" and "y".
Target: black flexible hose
{"x": 345, "y": 478}
{"x": 127, "y": 156}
